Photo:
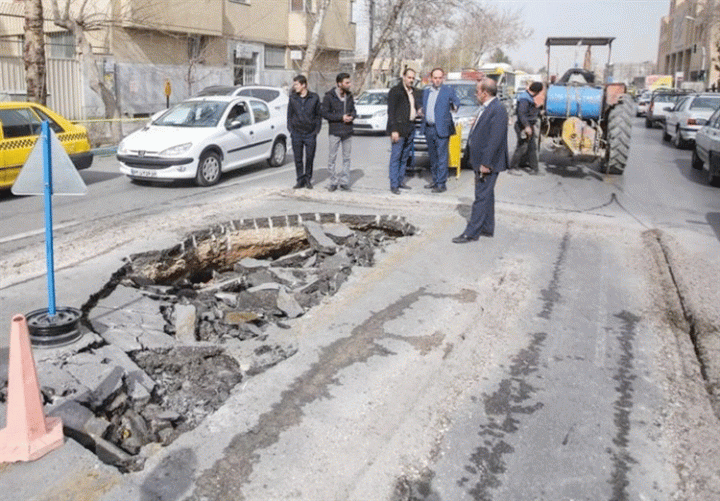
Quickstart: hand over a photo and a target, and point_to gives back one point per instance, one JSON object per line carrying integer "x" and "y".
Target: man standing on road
{"x": 527, "y": 114}
{"x": 402, "y": 109}
{"x": 487, "y": 143}
{"x": 438, "y": 101}
{"x": 338, "y": 108}
{"x": 303, "y": 122}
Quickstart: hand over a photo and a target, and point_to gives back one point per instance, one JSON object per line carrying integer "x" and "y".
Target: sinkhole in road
{"x": 175, "y": 330}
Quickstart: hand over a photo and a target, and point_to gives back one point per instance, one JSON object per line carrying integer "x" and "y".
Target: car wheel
{"x": 696, "y": 162}
{"x": 678, "y": 141}
{"x": 208, "y": 170}
{"x": 666, "y": 136}
{"x": 714, "y": 170}
{"x": 277, "y": 154}
{"x": 648, "y": 124}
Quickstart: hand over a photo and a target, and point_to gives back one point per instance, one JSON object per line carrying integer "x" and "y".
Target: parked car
{"x": 689, "y": 114}
{"x": 466, "y": 93}
{"x": 661, "y": 102}
{"x": 706, "y": 153}
{"x": 371, "y": 108}
{"x": 20, "y": 129}
{"x": 276, "y": 97}
{"x": 203, "y": 137}
{"x": 642, "y": 104}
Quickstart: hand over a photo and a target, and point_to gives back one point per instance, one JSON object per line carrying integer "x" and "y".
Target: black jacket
{"x": 527, "y": 112}
{"x": 399, "y": 110}
{"x": 333, "y": 109}
{"x": 303, "y": 114}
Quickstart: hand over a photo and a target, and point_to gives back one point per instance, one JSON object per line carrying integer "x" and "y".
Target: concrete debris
{"x": 318, "y": 239}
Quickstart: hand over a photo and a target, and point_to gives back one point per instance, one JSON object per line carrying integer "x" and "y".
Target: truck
{"x": 589, "y": 121}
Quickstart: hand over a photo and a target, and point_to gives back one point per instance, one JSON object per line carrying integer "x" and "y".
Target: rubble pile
{"x": 174, "y": 331}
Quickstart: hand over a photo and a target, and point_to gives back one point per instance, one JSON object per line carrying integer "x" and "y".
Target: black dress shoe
{"x": 332, "y": 187}
{"x": 345, "y": 187}
{"x": 395, "y": 191}
{"x": 297, "y": 186}
{"x": 485, "y": 234}
{"x": 463, "y": 239}
{"x": 439, "y": 189}
{"x": 405, "y": 187}
{"x": 308, "y": 185}
{"x": 430, "y": 186}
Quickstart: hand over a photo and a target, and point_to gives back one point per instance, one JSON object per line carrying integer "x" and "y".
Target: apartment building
{"x": 138, "y": 46}
{"x": 688, "y": 46}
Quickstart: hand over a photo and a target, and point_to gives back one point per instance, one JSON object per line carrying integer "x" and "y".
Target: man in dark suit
{"x": 438, "y": 101}
{"x": 401, "y": 111}
{"x": 487, "y": 144}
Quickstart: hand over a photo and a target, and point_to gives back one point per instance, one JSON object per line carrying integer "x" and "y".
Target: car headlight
{"x": 380, "y": 113}
{"x": 122, "y": 148}
{"x": 176, "y": 150}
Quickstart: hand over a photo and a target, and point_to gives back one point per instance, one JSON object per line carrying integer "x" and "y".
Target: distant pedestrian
{"x": 303, "y": 122}
{"x": 338, "y": 108}
{"x": 438, "y": 102}
{"x": 526, "y": 151}
{"x": 403, "y": 103}
{"x": 487, "y": 144}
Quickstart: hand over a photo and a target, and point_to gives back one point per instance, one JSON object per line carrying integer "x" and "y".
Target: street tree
{"x": 34, "y": 52}
{"x": 313, "y": 42}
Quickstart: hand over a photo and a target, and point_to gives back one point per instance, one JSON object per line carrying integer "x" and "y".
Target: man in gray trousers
{"x": 338, "y": 108}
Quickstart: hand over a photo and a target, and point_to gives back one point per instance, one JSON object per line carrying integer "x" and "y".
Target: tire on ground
{"x": 277, "y": 153}
{"x": 209, "y": 169}
{"x": 618, "y": 136}
{"x": 696, "y": 162}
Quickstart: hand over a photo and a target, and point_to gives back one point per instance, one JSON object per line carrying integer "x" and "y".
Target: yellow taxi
{"x": 20, "y": 128}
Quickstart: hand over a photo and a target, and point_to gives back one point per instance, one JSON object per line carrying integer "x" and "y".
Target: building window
{"x": 299, "y": 5}
{"x": 274, "y": 57}
{"x": 62, "y": 45}
{"x": 196, "y": 47}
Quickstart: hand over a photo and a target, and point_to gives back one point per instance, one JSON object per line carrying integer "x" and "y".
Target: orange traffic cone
{"x": 28, "y": 434}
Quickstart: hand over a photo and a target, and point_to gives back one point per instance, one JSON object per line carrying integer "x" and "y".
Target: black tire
{"x": 277, "y": 153}
{"x": 618, "y": 136}
{"x": 713, "y": 176}
{"x": 648, "y": 123}
{"x": 666, "y": 136}
{"x": 678, "y": 141}
{"x": 209, "y": 169}
{"x": 696, "y": 161}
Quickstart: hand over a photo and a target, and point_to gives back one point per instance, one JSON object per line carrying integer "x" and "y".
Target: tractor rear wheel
{"x": 618, "y": 136}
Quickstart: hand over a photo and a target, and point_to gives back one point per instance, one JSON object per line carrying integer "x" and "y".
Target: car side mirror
{"x": 235, "y": 124}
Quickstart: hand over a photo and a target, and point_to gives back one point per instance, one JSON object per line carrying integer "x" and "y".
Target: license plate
{"x": 143, "y": 173}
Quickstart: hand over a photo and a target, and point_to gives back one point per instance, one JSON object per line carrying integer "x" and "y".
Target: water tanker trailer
{"x": 586, "y": 120}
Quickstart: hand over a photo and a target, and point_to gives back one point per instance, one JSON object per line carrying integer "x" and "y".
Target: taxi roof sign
{"x": 65, "y": 178}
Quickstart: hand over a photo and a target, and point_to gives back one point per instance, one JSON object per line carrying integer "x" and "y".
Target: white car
{"x": 689, "y": 114}
{"x": 203, "y": 137}
{"x": 276, "y": 97}
{"x": 371, "y": 109}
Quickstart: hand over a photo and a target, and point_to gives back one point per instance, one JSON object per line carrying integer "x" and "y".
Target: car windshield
{"x": 372, "y": 98}
{"x": 705, "y": 102}
{"x": 466, "y": 93}
{"x": 193, "y": 114}
{"x": 216, "y": 91}
{"x": 665, "y": 98}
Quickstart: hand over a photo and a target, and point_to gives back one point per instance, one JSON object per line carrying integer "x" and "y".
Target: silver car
{"x": 686, "y": 118}
{"x": 707, "y": 149}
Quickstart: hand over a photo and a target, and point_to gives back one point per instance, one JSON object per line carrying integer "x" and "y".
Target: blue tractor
{"x": 587, "y": 120}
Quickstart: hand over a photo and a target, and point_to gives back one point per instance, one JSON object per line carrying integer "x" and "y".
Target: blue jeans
{"x": 307, "y": 142}
{"x": 399, "y": 154}
{"x": 438, "y": 153}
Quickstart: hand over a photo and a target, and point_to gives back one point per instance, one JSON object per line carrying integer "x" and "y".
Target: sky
{"x": 635, "y": 24}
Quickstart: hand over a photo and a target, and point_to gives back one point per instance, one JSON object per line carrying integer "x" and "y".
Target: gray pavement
{"x": 540, "y": 364}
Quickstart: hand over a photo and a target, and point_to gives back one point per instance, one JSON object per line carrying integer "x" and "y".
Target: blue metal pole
{"x": 47, "y": 178}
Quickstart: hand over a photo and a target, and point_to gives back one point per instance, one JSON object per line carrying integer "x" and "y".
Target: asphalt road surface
{"x": 546, "y": 363}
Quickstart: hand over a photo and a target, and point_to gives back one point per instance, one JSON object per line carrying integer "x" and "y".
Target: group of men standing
{"x": 486, "y": 146}
{"x": 304, "y": 120}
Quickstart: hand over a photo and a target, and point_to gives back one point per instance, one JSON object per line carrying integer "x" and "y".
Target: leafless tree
{"x": 34, "y": 52}
{"x": 312, "y": 46}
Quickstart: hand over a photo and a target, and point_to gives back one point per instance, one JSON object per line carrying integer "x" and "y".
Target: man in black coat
{"x": 338, "y": 108}
{"x": 303, "y": 122}
{"x": 403, "y": 103}
{"x": 487, "y": 143}
{"x": 526, "y": 153}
